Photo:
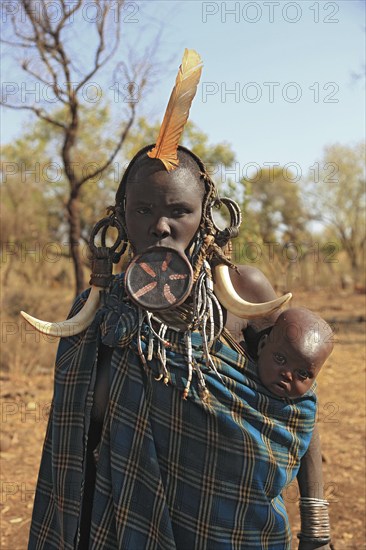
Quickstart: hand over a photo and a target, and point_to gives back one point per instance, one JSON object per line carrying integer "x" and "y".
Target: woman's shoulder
{"x": 251, "y": 284}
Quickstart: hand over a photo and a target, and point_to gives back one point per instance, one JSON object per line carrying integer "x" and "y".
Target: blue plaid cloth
{"x": 171, "y": 473}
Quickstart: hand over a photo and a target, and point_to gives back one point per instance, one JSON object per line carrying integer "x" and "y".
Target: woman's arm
{"x": 310, "y": 481}
{"x": 310, "y": 476}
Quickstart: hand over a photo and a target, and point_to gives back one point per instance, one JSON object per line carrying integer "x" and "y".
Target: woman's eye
{"x": 143, "y": 210}
{"x": 280, "y": 359}
{"x": 178, "y": 212}
{"x": 303, "y": 374}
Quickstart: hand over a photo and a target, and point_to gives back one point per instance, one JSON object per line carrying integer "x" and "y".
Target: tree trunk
{"x": 351, "y": 252}
{"x": 74, "y": 236}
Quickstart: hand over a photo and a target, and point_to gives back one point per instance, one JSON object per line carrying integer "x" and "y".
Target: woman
{"x": 160, "y": 433}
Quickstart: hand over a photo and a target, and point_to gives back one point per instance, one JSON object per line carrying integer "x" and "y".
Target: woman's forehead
{"x": 156, "y": 180}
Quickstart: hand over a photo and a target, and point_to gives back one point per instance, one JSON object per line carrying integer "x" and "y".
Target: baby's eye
{"x": 279, "y": 358}
{"x": 303, "y": 374}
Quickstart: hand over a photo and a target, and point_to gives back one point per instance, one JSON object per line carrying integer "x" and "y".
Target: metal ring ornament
{"x": 234, "y": 211}
{"x": 224, "y": 235}
{"x": 104, "y": 224}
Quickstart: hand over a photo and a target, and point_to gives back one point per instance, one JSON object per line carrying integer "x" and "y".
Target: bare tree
{"x": 337, "y": 195}
{"x": 41, "y": 31}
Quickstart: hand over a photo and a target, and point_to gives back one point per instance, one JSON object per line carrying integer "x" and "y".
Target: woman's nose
{"x": 161, "y": 228}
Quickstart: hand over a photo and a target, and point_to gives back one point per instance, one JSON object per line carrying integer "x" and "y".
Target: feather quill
{"x": 177, "y": 111}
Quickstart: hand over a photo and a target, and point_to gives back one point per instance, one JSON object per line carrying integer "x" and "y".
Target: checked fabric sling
{"x": 171, "y": 473}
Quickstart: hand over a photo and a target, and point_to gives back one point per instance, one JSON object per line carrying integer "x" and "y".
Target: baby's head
{"x": 291, "y": 356}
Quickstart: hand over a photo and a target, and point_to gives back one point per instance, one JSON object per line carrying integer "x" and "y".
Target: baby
{"x": 291, "y": 355}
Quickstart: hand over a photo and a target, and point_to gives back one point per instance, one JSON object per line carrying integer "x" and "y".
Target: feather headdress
{"x": 177, "y": 111}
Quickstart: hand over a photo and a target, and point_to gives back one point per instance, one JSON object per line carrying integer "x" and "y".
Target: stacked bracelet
{"x": 315, "y": 525}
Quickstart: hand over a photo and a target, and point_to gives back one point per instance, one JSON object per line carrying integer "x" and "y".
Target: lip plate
{"x": 154, "y": 257}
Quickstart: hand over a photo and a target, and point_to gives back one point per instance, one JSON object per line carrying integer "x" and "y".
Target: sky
{"x": 281, "y": 80}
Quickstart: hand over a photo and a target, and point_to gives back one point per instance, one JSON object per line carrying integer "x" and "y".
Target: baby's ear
{"x": 262, "y": 343}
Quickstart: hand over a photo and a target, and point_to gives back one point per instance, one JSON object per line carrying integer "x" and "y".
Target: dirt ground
{"x": 25, "y": 403}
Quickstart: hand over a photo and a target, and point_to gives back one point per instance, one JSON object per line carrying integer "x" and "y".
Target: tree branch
{"x": 37, "y": 111}
{"x": 101, "y": 45}
{"x": 111, "y": 158}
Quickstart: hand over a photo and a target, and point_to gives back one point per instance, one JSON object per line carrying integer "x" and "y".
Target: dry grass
{"x": 24, "y": 351}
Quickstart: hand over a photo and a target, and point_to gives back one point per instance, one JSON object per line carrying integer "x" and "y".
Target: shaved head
{"x": 188, "y": 167}
{"x": 306, "y": 330}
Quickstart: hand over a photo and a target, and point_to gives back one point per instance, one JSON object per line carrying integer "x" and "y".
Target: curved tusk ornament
{"x": 223, "y": 289}
{"x": 230, "y": 299}
{"x": 72, "y": 326}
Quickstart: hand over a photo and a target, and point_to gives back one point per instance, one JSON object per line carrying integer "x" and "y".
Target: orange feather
{"x": 177, "y": 111}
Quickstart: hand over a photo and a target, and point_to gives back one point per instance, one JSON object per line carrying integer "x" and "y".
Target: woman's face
{"x": 162, "y": 208}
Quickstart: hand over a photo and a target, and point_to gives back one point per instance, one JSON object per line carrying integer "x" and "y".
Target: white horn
{"x": 72, "y": 326}
{"x": 230, "y": 299}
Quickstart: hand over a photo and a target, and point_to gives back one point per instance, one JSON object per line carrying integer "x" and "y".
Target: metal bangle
{"x": 314, "y": 540}
{"x": 315, "y": 525}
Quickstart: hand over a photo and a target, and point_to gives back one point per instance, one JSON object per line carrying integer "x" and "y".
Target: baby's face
{"x": 285, "y": 370}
